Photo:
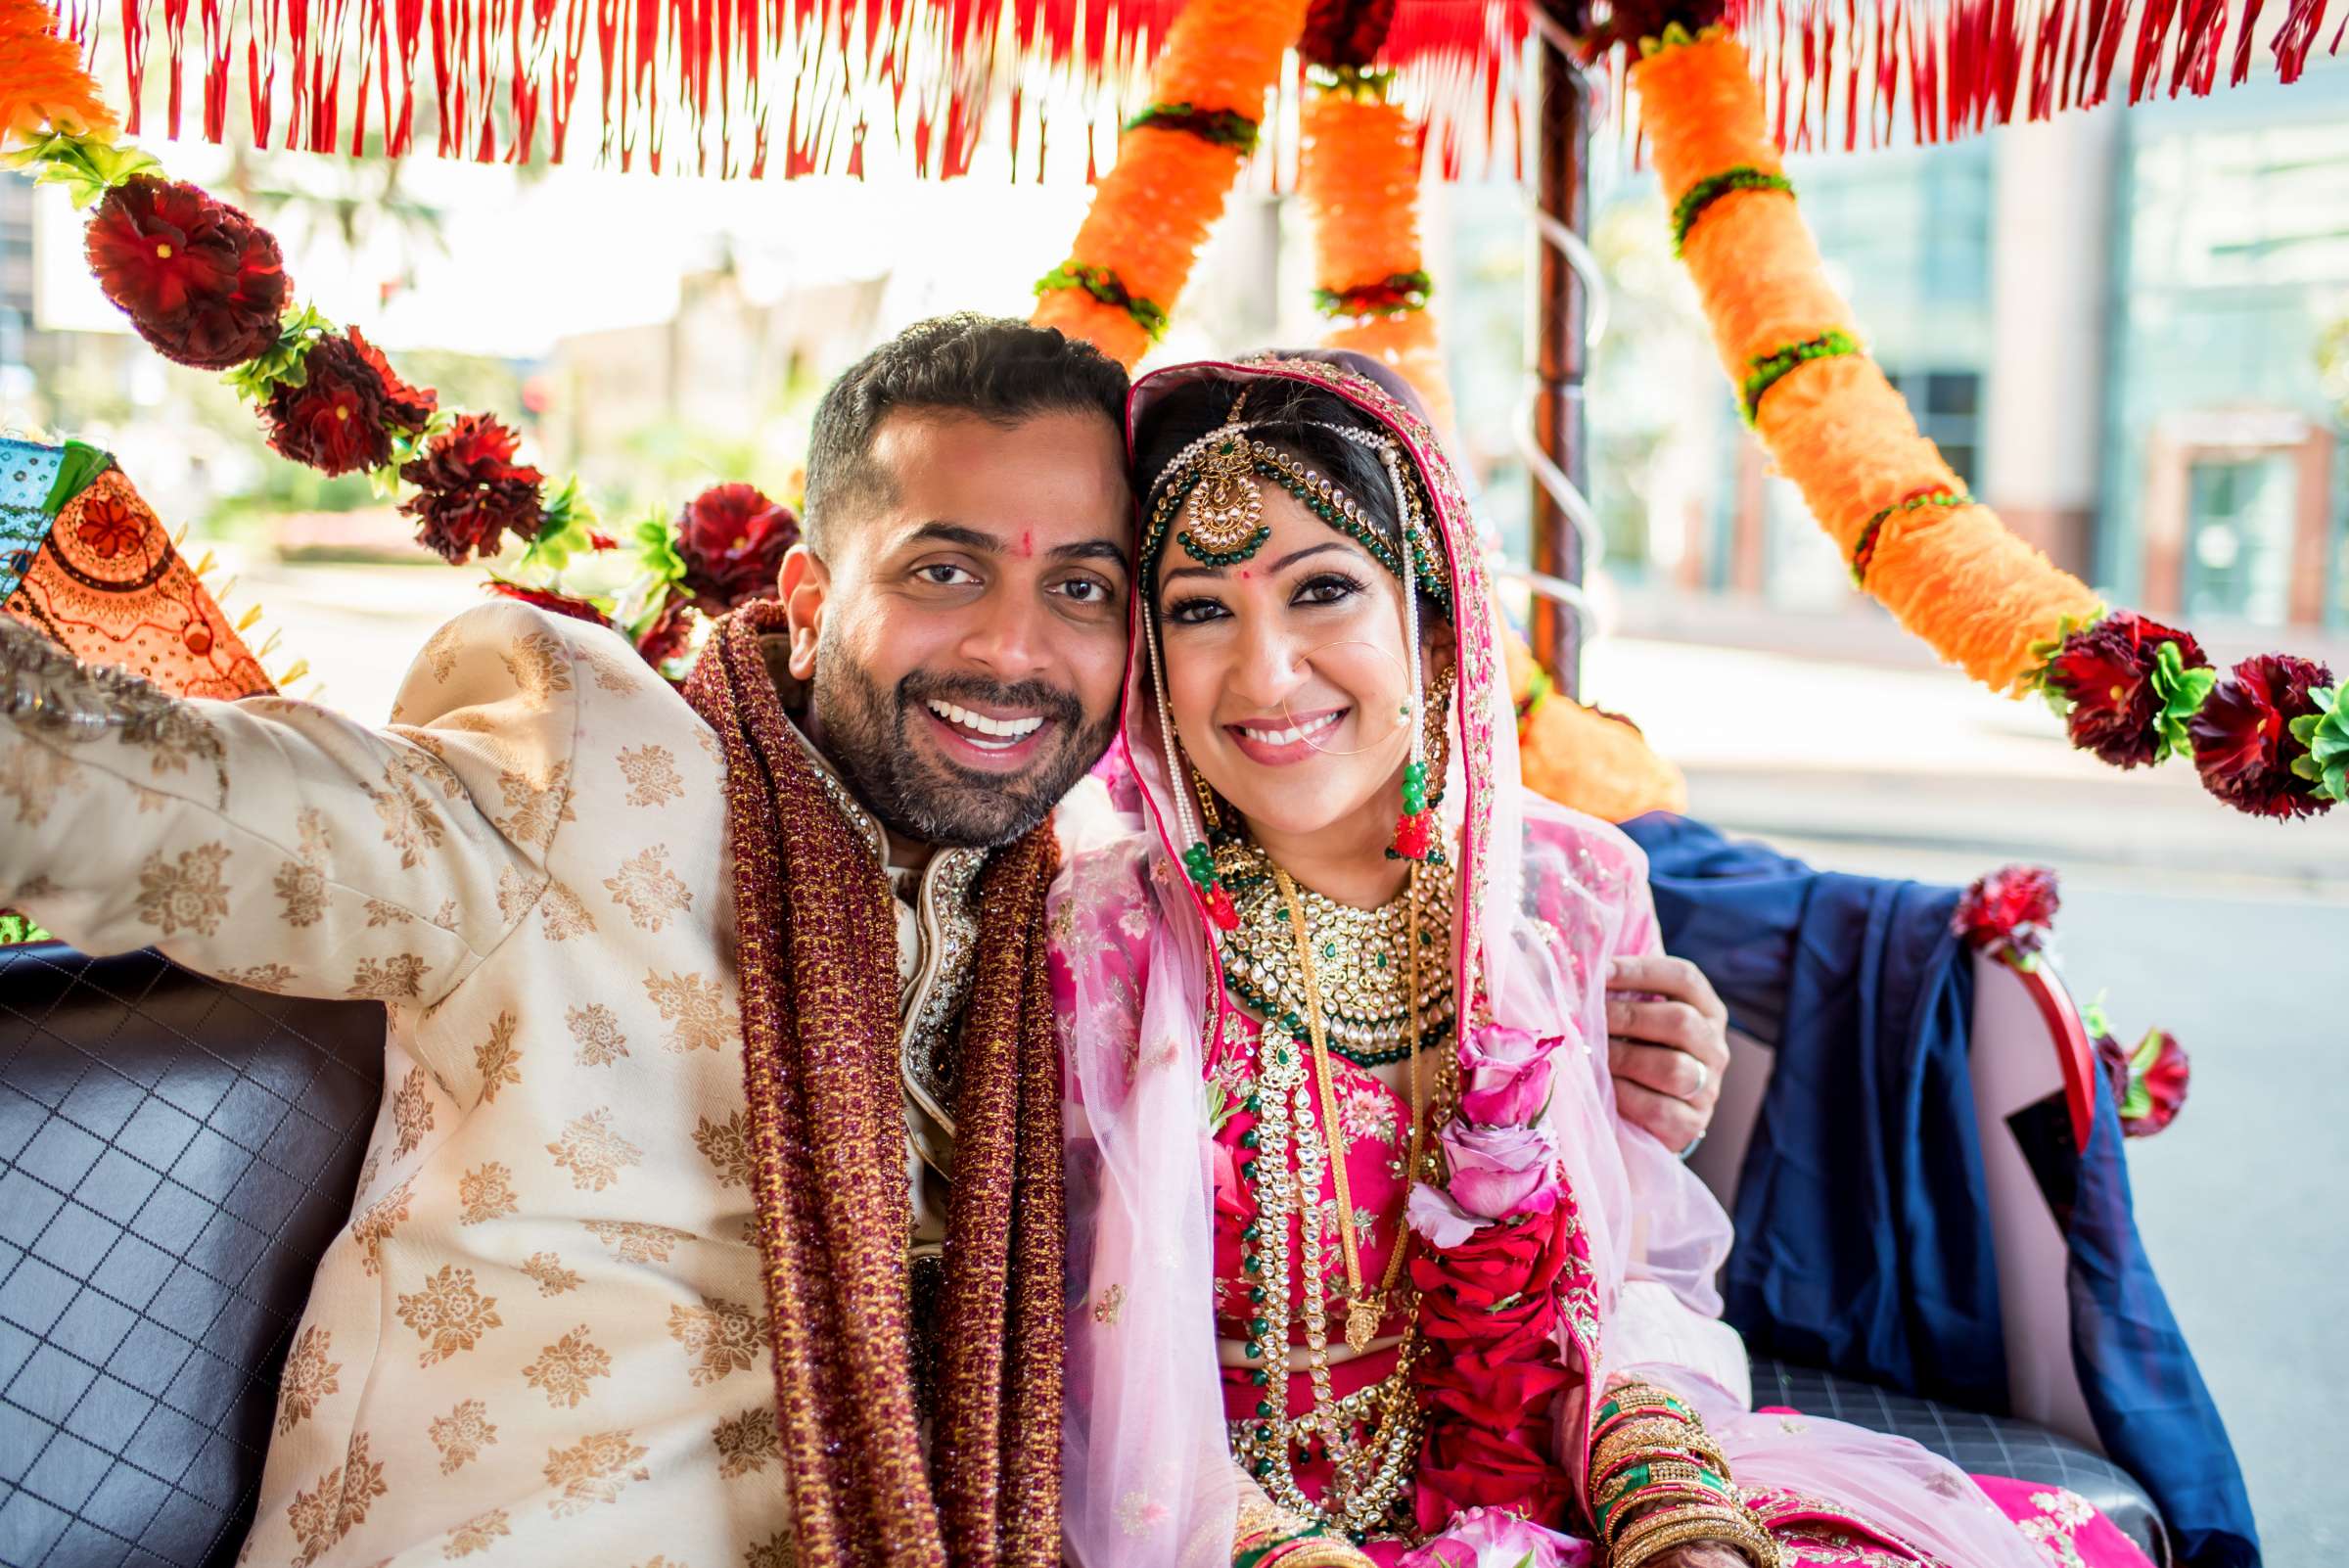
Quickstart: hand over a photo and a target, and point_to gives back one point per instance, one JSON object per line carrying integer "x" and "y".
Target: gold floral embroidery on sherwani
{"x": 541, "y": 1336}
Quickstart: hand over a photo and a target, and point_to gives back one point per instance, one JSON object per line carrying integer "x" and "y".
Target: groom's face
{"x": 964, "y": 636}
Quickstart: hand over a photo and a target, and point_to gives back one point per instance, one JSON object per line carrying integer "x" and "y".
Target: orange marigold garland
{"x": 2271, "y": 737}
{"x": 1358, "y": 173}
{"x": 1177, "y": 163}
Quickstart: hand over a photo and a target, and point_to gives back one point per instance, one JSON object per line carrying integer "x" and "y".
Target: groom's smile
{"x": 961, "y": 618}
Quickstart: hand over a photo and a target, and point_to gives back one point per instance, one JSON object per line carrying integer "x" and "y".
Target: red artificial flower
{"x": 2106, "y": 670}
{"x": 202, "y": 281}
{"x": 1414, "y": 835}
{"x": 560, "y": 604}
{"x": 1494, "y": 1391}
{"x": 1218, "y": 900}
{"x": 470, "y": 491}
{"x": 342, "y": 418}
{"x": 733, "y": 540}
{"x": 2149, "y": 1083}
{"x": 670, "y": 632}
{"x": 2243, "y": 746}
{"x": 109, "y": 527}
{"x": 2012, "y": 906}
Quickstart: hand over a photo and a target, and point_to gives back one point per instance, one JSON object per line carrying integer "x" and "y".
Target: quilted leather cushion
{"x": 1977, "y": 1444}
{"x": 174, "y": 1156}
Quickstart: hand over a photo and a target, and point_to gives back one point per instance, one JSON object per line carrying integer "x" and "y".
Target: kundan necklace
{"x": 1367, "y": 956}
{"x": 1293, "y": 1139}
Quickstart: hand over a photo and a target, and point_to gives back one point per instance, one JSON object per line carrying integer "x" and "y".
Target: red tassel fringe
{"x": 760, "y": 87}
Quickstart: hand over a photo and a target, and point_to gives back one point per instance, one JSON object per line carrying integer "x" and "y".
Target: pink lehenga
{"x": 1564, "y": 1250}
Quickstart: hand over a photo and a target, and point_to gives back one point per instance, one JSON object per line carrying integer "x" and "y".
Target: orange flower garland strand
{"x": 44, "y": 84}
{"x": 1358, "y": 173}
{"x": 1951, "y": 573}
{"x": 1154, "y": 209}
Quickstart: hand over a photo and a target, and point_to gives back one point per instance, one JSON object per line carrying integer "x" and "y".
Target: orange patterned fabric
{"x": 109, "y": 587}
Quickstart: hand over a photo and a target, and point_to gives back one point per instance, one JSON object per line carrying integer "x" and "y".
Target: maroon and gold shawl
{"x": 818, "y": 949}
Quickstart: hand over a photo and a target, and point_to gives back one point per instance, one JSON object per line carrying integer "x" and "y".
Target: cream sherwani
{"x": 540, "y": 1338}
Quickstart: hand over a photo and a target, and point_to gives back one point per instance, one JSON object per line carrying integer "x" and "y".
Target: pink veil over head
{"x": 1546, "y": 898}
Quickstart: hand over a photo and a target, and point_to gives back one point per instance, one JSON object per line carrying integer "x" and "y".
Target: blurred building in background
{"x": 2128, "y": 330}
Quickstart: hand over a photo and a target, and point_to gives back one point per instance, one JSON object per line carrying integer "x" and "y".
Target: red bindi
{"x": 1027, "y": 544}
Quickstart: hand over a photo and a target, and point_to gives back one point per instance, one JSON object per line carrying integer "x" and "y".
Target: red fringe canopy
{"x": 786, "y": 88}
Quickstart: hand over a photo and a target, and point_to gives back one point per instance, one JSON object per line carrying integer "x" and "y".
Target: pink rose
{"x": 1494, "y": 1538}
{"x": 1441, "y": 1223}
{"x": 1501, "y": 1171}
{"x": 1504, "y": 1075}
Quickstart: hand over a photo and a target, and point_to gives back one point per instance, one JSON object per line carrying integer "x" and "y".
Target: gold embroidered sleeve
{"x": 278, "y": 844}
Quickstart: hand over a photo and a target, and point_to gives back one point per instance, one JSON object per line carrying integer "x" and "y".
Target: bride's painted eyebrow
{"x": 1274, "y": 570}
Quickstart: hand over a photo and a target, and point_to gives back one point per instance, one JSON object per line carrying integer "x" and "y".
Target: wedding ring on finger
{"x": 1704, "y": 1075}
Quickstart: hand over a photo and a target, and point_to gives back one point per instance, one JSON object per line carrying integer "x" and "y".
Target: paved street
{"x": 2232, "y": 933}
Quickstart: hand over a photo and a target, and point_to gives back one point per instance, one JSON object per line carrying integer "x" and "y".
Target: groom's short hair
{"x": 991, "y": 366}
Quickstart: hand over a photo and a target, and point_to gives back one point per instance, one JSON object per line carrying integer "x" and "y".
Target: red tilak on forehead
{"x": 1027, "y": 544}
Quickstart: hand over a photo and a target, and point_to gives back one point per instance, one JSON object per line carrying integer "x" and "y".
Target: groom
{"x": 694, "y": 1007}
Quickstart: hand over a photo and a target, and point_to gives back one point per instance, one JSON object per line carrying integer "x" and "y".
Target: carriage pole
{"x": 1561, "y": 349}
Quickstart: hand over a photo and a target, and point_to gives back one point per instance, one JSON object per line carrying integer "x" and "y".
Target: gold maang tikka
{"x": 1225, "y": 515}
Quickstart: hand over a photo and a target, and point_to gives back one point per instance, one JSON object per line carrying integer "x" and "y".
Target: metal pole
{"x": 1560, "y": 354}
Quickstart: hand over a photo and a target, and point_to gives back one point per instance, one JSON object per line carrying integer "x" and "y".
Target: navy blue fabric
{"x": 2151, "y": 1408}
{"x": 1851, "y": 1253}
{"x": 1864, "y": 1240}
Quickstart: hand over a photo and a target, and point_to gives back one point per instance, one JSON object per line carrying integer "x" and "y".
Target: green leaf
{"x": 568, "y": 520}
{"x": 87, "y": 166}
{"x": 281, "y": 365}
{"x": 2094, "y": 1020}
{"x": 2137, "y": 1103}
{"x": 2326, "y": 736}
{"x": 657, "y": 552}
{"x": 2181, "y": 692}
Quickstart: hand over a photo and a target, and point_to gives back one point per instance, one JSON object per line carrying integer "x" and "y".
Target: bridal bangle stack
{"x": 1658, "y": 1481}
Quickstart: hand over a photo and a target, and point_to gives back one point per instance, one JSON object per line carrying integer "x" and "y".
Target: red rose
{"x": 2243, "y": 747}
{"x": 1494, "y": 1391}
{"x": 1462, "y": 1465}
{"x": 202, "y": 281}
{"x": 2011, "y": 907}
{"x": 342, "y": 418}
{"x": 1503, "y": 1259}
{"x": 560, "y": 604}
{"x": 470, "y": 491}
{"x": 733, "y": 540}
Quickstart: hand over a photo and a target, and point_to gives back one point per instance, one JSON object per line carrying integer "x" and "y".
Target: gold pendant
{"x": 1362, "y": 1322}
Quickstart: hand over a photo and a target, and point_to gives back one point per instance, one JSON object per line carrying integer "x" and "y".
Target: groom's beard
{"x": 864, "y": 729}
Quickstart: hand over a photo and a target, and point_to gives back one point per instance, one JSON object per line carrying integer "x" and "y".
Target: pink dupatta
{"x": 1548, "y": 896}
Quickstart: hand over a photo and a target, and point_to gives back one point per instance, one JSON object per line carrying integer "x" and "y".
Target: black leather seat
{"x": 174, "y": 1156}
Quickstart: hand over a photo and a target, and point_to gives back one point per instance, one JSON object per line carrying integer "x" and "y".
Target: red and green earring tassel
{"x": 1200, "y": 862}
{"x": 1416, "y": 829}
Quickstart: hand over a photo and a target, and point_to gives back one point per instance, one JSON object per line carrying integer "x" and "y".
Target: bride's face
{"x": 1286, "y": 675}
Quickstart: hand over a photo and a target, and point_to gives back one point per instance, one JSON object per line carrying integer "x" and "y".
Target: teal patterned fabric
{"x": 28, "y": 471}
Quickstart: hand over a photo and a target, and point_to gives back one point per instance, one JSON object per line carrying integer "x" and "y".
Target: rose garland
{"x": 1503, "y": 1268}
{"x": 205, "y": 287}
{"x": 2271, "y": 737}
{"x": 1177, "y": 163}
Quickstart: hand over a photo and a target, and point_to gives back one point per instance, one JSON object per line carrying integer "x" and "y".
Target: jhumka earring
{"x": 1418, "y": 830}
{"x": 1437, "y": 735}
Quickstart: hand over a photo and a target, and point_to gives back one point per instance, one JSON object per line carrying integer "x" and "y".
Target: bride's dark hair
{"x": 1290, "y": 415}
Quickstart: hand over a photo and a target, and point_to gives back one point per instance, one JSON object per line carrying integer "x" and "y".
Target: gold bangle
{"x": 1659, "y": 1533}
{"x": 1659, "y": 1472}
{"x": 1638, "y": 1437}
{"x": 1667, "y": 1500}
{"x": 1636, "y": 1397}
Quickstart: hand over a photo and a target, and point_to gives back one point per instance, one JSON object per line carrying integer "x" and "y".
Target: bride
{"x": 1365, "y": 1265}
